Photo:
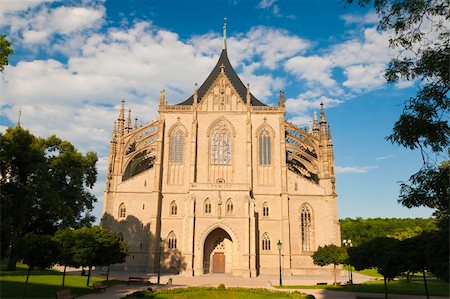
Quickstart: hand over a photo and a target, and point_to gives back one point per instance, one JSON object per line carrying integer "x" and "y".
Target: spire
{"x": 20, "y": 115}
{"x": 329, "y": 140}
{"x": 248, "y": 97}
{"x": 128, "y": 128}
{"x": 281, "y": 100}
{"x": 310, "y": 126}
{"x": 322, "y": 114}
{"x": 315, "y": 126}
{"x": 135, "y": 122}
{"x": 162, "y": 98}
{"x": 195, "y": 94}
{"x": 121, "y": 119}
{"x": 225, "y": 33}
{"x": 323, "y": 124}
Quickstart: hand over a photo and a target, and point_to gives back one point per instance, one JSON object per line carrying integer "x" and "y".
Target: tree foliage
{"x": 421, "y": 32}
{"x": 382, "y": 253}
{"x": 429, "y": 188}
{"x": 330, "y": 255}
{"x": 5, "y": 51}
{"x": 44, "y": 187}
{"x": 362, "y": 230}
{"x": 95, "y": 246}
{"x": 37, "y": 251}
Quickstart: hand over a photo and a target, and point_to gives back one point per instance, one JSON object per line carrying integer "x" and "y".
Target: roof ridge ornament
{"x": 225, "y": 33}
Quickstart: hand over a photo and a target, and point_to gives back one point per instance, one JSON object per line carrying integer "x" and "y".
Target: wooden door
{"x": 219, "y": 262}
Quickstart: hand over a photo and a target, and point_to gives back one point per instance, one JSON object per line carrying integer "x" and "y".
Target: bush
{"x": 138, "y": 294}
{"x": 309, "y": 296}
{"x": 221, "y": 287}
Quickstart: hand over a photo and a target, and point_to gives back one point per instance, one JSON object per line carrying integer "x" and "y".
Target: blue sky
{"x": 75, "y": 59}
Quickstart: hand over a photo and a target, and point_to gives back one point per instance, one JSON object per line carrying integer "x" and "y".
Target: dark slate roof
{"x": 232, "y": 76}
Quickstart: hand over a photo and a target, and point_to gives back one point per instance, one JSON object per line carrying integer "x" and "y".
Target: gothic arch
{"x": 207, "y": 231}
{"x": 266, "y": 126}
{"x": 218, "y": 121}
{"x": 176, "y": 125}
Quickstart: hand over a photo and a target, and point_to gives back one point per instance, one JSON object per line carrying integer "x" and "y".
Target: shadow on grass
{"x": 12, "y": 289}
{"x": 45, "y": 286}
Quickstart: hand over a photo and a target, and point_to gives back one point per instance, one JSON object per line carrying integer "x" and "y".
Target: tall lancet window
{"x": 176, "y": 146}
{"x": 265, "y": 151}
{"x": 220, "y": 145}
{"x": 172, "y": 240}
{"x": 306, "y": 223}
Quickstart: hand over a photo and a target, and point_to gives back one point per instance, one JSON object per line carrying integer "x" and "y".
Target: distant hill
{"x": 360, "y": 230}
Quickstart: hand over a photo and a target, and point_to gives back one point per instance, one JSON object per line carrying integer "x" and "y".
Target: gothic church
{"x": 217, "y": 181}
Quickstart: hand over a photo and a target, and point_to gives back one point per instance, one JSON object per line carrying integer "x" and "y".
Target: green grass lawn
{"x": 415, "y": 287}
{"x": 218, "y": 293}
{"x": 42, "y": 283}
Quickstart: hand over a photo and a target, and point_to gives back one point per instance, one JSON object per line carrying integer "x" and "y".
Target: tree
{"x": 5, "y": 51}
{"x": 429, "y": 188}
{"x": 330, "y": 254}
{"x": 65, "y": 240}
{"x": 95, "y": 246}
{"x": 421, "y": 35}
{"x": 37, "y": 251}
{"x": 44, "y": 187}
{"x": 382, "y": 253}
{"x": 361, "y": 230}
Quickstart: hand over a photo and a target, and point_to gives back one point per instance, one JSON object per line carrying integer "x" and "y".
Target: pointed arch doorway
{"x": 218, "y": 252}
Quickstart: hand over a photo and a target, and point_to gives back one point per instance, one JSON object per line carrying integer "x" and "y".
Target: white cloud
{"x": 35, "y": 23}
{"x": 354, "y": 169}
{"x": 266, "y": 3}
{"x": 365, "y": 77}
{"x": 312, "y": 69}
{"x": 385, "y": 157}
{"x": 369, "y": 18}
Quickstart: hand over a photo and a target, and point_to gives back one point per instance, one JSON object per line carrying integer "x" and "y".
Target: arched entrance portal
{"x": 218, "y": 252}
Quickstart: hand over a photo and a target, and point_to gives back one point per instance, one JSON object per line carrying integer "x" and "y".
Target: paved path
{"x": 264, "y": 281}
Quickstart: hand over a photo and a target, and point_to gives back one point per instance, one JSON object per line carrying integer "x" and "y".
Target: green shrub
{"x": 221, "y": 287}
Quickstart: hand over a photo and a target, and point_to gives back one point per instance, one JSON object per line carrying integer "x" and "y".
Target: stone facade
{"x": 220, "y": 179}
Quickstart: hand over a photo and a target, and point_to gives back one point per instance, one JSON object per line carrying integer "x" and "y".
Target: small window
{"x": 207, "y": 206}
{"x": 266, "y": 242}
{"x": 143, "y": 206}
{"x": 295, "y": 186}
{"x": 230, "y": 206}
{"x": 173, "y": 208}
{"x": 140, "y": 246}
{"x": 122, "y": 211}
{"x": 172, "y": 240}
{"x": 265, "y": 209}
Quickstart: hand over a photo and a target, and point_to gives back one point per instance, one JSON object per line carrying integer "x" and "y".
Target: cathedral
{"x": 221, "y": 183}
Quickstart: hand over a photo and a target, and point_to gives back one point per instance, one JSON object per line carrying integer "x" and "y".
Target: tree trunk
{"x": 107, "y": 274}
{"x": 334, "y": 273}
{"x": 385, "y": 288}
{"x": 26, "y": 283}
{"x": 64, "y": 275}
{"x": 425, "y": 283}
{"x": 12, "y": 258}
{"x": 89, "y": 276}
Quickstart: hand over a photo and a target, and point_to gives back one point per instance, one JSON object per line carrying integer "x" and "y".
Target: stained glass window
{"x": 220, "y": 145}
{"x": 265, "y": 151}
{"x": 176, "y": 146}
{"x": 305, "y": 222}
